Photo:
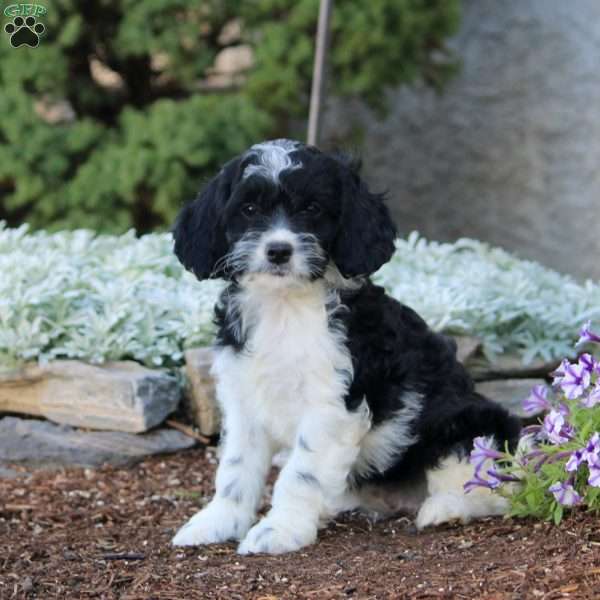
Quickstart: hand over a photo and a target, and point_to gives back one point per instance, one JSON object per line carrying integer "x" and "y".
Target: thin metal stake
{"x": 318, "y": 82}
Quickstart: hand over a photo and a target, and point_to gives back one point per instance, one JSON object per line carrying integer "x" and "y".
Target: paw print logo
{"x": 24, "y": 32}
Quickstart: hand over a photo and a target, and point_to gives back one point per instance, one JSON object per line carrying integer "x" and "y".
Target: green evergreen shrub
{"x": 126, "y": 150}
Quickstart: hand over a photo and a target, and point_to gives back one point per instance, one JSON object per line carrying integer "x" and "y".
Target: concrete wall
{"x": 510, "y": 152}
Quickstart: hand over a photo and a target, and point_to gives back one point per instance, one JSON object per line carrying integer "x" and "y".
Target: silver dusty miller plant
{"x": 101, "y": 297}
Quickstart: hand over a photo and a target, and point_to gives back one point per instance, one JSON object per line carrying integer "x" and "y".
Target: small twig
{"x": 568, "y": 588}
{"x": 17, "y": 507}
{"x": 110, "y": 581}
{"x": 123, "y": 556}
{"x": 595, "y": 571}
{"x": 187, "y": 430}
{"x": 141, "y": 580}
{"x": 326, "y": 588}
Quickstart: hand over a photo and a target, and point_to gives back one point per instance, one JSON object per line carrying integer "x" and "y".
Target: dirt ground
{"x": 80, "y": 533}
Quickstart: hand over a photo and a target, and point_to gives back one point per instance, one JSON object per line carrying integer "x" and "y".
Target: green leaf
{"x": 557, "y": 513}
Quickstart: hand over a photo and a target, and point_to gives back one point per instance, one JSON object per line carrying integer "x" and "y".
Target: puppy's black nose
{"x": 279, "y": 252}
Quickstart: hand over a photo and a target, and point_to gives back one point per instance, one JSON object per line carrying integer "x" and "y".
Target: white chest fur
{"x": 293, "y": 360}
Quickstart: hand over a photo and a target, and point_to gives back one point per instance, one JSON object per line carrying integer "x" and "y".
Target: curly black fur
{"x": 393, "y": 351}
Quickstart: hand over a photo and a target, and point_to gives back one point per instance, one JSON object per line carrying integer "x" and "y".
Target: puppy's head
{"x": 285, "y": 210}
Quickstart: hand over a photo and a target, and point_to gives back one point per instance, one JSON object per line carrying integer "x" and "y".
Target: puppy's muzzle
{"x": 279, "y": 253}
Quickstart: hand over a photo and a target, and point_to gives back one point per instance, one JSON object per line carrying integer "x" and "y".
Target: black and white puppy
{"x": 312, "y": 357}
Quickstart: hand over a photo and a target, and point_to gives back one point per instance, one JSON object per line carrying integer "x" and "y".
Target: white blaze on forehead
{"x": 273, "y": 157}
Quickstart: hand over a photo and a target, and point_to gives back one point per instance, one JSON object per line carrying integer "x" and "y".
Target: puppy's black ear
{"x": 198, "y": 231}
{"x": 365, "y": 239}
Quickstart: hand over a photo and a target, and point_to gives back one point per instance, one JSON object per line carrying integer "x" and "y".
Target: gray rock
{"x": 510, "y": 393}
{"x": 466, "y": 347}
{"x": 509, "y": 152}
{"x": 508, "y": 366}
{"x": 43, "y": 444}
{"x": 6, "y": 473}
{"x": 199, "y": 400}
{"x": 118, "y": 396}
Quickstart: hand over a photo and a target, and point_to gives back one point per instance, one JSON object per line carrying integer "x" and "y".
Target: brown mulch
{"x": 81, "y": 533}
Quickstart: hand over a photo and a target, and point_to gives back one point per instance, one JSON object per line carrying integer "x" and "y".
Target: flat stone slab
{"x": 41, "y": 444}
{"x": 508, "y": 366}
{"x": 118, "y": 396}
{"x": 200, "y": 400}
{"x": 6, "y": 473}
{"x": 466, "y": 347}
{"x": 510, "y": 393}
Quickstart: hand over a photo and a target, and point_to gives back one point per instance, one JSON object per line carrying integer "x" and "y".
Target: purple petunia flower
{"x": 586, "y": 335}
{"x": 592, "y": 398}
{"x": 495, "y": 479}
{"x": 574, "y": 461}
{"x": 483, "y": 450}
{"x": 589, "y": 363}
{"x": 555, "y": 428}
{"x": 575, "y": 381}
{"x": 479, "y": 481}
{"x": 527, "y": 458}
{"x": 559, "y": 372}
{"x": 594, "y": 477}
{"x": 537, "y": 401}
{"x": 565, "y": 494}
{"x": 496, "y": 476}
{"x": 531, "y": 430}
{"x": 591, "y": 452}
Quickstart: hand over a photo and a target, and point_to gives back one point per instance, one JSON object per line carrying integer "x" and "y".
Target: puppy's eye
{"x": 249, "y": 210}
{"x": 312, "y": 209}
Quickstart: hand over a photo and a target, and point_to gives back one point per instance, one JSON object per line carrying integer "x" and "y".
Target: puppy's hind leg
{"x": 446, "y": 499}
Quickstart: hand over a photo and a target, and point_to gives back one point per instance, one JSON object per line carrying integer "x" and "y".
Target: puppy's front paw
{"x": 272, "y": 536}
{"x": 218, "y": 522}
